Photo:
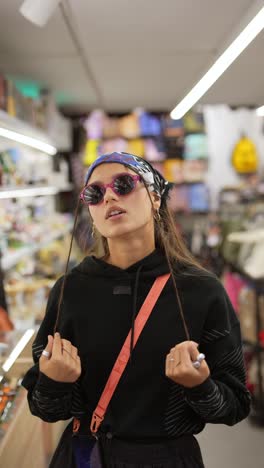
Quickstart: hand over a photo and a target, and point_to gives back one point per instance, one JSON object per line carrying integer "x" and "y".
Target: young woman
{"x": 162, "y": 400}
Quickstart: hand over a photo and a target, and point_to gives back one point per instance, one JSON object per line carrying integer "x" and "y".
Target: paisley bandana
{"x": 153, "y": 179}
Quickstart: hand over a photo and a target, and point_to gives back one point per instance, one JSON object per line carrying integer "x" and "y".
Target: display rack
{"x": 257, "y": 348}
{"x": 21, "y": 132}
{"x": 10, "y": 259}
{"x": 39, "y": 438}
{"x": 16, "y": 130}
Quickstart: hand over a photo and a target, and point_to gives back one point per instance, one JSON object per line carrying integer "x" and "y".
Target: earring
{"x": 157, "y": 216}
{"x": 93, "y": 231}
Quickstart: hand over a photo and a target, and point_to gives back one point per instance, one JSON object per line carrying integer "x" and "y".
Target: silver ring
{"x": 200, "y": 357}
{"x": 197, "y": 364}
{"x": 46, "y": 353}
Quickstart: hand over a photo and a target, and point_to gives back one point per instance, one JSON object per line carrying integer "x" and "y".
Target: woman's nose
{"x": 110, "y": 195}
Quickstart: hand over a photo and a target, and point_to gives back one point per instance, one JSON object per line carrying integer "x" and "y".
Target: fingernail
{"x": 57, "y": 334}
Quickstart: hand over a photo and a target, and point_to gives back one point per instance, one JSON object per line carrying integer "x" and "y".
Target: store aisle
{"x": 240, "y": 446}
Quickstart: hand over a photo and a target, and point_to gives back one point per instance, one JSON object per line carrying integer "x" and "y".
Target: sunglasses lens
{"x": 93, "y": 194}
{"x": 124, "y": 184}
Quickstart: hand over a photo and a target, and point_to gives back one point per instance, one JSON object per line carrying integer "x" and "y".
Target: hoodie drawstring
{"x": 134, "y": 311}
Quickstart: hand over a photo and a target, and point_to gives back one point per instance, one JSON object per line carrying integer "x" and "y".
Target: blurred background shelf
{"x": 10, "y": 259}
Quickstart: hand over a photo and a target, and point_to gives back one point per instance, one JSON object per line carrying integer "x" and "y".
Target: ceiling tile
{"x": 150, "y": 25}
{"x": 148, "y": 80}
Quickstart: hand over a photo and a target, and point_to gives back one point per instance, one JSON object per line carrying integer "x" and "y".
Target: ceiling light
{"x": 18, "y": 349}
{"x": 260, "y": 111}
{"x": 29, "y": 141}
{"x": 248, "y": 34}
{"x": 38, "y": 11}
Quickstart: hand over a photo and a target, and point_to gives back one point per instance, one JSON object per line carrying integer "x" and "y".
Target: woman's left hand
{"x": 179, "y": 365}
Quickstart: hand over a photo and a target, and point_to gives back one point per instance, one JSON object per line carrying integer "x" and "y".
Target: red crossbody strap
{"x": 124, "y": 354}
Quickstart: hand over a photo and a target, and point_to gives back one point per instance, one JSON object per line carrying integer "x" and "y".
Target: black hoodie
{"x": 96, "y": 317}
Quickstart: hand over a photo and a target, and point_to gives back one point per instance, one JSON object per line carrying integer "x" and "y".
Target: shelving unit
{"x": 10, "y": 259}
{"x": 40, "y": 438}
{"x": 257, "y": 348}
{"x": 28, "y": 171}
{"x": 21, "y": 132}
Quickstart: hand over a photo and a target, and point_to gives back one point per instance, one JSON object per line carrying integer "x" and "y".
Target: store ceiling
{"x": 132, "y": 53}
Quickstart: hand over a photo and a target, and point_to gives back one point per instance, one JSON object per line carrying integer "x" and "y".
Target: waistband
{"x": 183, "y": 446}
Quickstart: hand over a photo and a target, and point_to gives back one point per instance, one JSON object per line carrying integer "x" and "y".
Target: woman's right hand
{"x": 63, "y": 364}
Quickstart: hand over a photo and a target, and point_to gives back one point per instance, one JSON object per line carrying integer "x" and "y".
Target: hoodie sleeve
{"x": 223, "y": 398}
{"x": 50, "y": 400}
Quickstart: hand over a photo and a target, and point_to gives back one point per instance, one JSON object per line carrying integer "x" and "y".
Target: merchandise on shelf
{"x": 15, "y": 360}
{"x": 234, "y": 283}
{"x": 157, "y": 138}
{"x": 247, "y": 303}
{"x": 9, "y": 398}
{"x": 245, "y": 159}
{"x": 28, "y": 283}
{"x": 243, "y": 234}
{"x": 195, "y": 146}
{"x": 35, "y": 256}
{"x": 194, "y": 171}
{"x": 18, "y": 167}
{"x": 193, "y": 122}
{"x": 172, "y": 128}
{"x": 19, "y": 106}
{"x": 241, "y": 213}
{"x": 150, "y": 125}
{"x": 129, "y": 126}
{"x": 29, "y": 217}
{"x": 199, "y": 198}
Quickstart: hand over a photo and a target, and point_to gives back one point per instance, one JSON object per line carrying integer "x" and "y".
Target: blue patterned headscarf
{"x": 153, "y": 179}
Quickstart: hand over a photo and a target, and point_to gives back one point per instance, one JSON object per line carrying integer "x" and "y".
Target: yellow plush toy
{"x": 245, "y": 159}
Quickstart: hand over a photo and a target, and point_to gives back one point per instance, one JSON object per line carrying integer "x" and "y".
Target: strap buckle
{"x": 76, "y": 425}
{"x": 96, "y": 422}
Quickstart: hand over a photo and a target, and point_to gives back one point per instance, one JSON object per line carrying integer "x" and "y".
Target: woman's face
{"x": 137, "y": 210}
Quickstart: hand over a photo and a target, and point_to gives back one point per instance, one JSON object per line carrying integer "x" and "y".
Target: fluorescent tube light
{"x": 28, "y": 192}
{"x": 18, "y": 349}
{"x": 260, "y": 111}
{"x": 29, "y": 141}
{"x": 248, "y": 34}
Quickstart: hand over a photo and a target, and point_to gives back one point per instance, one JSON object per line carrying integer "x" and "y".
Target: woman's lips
{"x": 114, "y": 211}
{"x": 116, "y": 216}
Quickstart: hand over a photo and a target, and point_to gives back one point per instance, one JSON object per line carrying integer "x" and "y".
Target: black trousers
{"x": 183, "y": 452}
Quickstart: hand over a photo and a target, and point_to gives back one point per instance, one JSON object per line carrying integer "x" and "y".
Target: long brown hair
{"x": 167, "y": 239}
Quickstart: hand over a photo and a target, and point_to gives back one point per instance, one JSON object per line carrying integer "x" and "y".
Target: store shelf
{"x": 32, "y": 191}
{"x": 38, "y": 442}
{"x": 16, "y": 130}
{"x": 189, "y": 182}
{"x": 10, "y": 259}
{"x": 139, "y": 137}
